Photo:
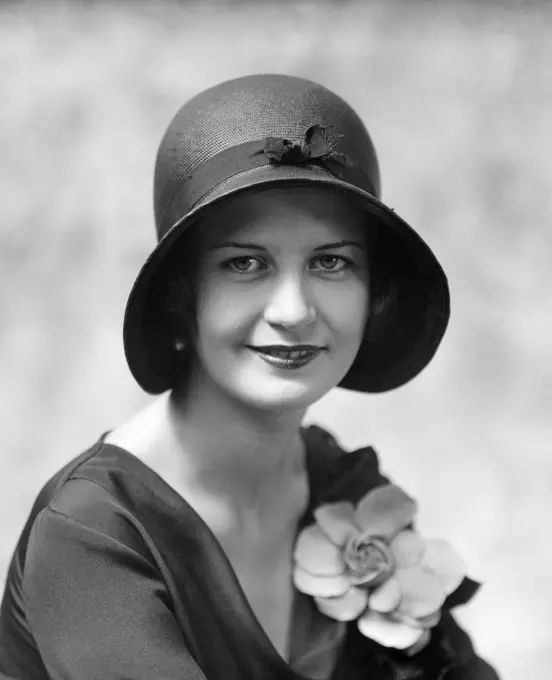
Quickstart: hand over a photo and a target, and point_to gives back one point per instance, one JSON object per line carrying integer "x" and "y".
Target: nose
{"x": 289, "y": 304}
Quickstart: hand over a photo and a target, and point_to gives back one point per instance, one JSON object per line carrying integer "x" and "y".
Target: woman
{"x": 210, "y": 536}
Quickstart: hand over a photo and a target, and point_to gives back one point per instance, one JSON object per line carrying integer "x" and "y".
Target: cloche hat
{"x": 260, "y": 131}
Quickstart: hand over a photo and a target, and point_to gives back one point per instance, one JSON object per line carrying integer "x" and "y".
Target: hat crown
{"x": 250, "y": 109}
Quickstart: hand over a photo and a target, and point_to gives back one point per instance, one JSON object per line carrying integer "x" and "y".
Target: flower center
{"x": 369, "y": 560}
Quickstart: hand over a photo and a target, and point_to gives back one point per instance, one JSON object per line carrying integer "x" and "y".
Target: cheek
{"x": 224, "y": 312}
{"x": 345, "y": 307}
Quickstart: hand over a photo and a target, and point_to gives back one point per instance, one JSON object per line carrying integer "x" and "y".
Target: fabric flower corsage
{"x": 367, "y": 563}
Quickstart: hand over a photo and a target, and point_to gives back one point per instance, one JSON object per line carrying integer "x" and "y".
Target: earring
{"x": 179, "y": 345}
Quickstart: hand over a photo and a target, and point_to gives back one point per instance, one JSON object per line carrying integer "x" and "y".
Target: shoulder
{"x": 96, "y": 494}
{"x": 55, "y": 485}
{"x": 83, "y": 515}
{"x": 88, "y": 502}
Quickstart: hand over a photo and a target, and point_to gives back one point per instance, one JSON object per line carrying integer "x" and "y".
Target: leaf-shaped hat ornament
{"x": 316, "y": 147}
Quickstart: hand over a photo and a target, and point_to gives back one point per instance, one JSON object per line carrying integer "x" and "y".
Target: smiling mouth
{"x": 289, "y": 351}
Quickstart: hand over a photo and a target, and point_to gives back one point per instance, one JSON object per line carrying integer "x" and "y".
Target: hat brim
{"x": 425, "y": 295}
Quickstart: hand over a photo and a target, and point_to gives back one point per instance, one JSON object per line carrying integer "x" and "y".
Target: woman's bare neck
{"x": 239, "y": 468}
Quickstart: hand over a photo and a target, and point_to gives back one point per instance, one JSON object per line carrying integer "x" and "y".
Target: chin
{"x": 279, "y": 395}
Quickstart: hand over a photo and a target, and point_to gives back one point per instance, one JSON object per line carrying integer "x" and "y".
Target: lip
{"x": 284, "y": 362}
{"x": 289, "y": 348}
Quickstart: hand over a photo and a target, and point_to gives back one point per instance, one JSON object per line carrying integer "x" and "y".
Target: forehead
{"x": 309, "y": 215}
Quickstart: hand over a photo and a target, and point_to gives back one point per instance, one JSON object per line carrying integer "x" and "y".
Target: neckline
{"x": 298, "y": 598}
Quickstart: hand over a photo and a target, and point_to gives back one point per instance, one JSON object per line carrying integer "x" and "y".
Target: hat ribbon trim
{"x": 314, "y": 149}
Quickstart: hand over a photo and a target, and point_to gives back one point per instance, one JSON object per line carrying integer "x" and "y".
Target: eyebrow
{"x": 340, "y": 244}
{"x": 253, "y": 246}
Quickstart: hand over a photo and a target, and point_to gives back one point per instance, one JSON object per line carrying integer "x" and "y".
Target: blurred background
{"x": 458, "y": 99}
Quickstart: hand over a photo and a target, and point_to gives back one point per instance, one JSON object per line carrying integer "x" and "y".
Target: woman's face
{"x": 282, "y": 296}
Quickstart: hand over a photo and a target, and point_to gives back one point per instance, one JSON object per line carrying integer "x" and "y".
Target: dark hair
{"x": 173, "y": 310}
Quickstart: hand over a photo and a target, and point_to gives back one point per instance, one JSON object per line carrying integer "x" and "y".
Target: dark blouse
{"x": 116, "y": 577}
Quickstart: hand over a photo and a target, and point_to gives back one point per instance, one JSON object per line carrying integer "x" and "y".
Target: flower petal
{"x": 344, "y": 608}
{"x": 422, "y": 591}
{"x": 449, "y": 567}
{"x": 420, "y": 644}
{"x": 387, "y": 597}
{"x": 382, "y": 629}
{"x": 408, "y": 548}
{"x": 315, "y": 553}
{"x": 430, "y": 620}
{"x": 337, "y": 521}
{"x": 321, "y": 586}
{"x": 384, "y": 511}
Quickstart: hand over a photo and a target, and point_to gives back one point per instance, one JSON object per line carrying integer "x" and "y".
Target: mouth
{"x": 288, "y": 356}
{"x": 288, "y": 351}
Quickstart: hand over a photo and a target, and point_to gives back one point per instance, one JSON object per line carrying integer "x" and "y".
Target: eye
{"x": 243, "y": 265}
{"x": 330, "y": 263}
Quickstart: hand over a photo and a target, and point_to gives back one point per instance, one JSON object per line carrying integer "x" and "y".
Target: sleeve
{"x": 97, "y": 606}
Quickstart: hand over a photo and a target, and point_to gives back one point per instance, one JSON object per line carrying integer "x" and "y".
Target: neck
{"x": 249, "y": 459}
